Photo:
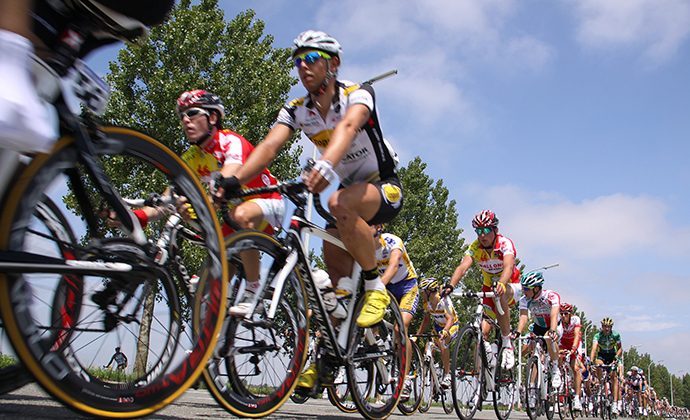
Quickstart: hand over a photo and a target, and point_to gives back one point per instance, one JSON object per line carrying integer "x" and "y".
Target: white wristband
{"x": 325, "y": 168}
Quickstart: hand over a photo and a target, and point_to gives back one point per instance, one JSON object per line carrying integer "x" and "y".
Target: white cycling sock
{"x": 375, "y": 284}
{"x": 27, "y": 124}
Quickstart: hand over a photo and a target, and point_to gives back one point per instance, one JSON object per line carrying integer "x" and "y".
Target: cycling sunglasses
{"x": 193, "y": 113}
{"x": 310, "y": 57}
{"x": 483, "y": 231}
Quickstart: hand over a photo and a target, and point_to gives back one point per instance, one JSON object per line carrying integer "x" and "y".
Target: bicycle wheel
{"x": 414, "y": 382}
{"x": 64, "y": 325}
{"x": 506, "y": 393}
{"x": 389, "y": 369}
{"x": 550, "y": 403}
{"x": 339, "y": 394}
{"x": 467, "y": 372}
{"x": 532, "y": 388}
{"x": 262, "y": 356}
{"x": 428, "y": 388}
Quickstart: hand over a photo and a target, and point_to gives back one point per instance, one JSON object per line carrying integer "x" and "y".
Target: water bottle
{"x": 323, "y": 282}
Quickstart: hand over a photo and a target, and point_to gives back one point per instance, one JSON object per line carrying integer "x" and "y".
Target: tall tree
{"x": 197, "y": 49}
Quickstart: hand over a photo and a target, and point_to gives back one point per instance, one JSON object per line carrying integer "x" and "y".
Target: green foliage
{"x": 7, "y": 360}
{"x": 197, "y": 49}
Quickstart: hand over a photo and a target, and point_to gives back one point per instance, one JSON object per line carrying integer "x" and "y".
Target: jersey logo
{"x": 393, "y": 195}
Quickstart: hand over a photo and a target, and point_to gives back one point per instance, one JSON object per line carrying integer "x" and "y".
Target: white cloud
{"x": 657, "y": 27}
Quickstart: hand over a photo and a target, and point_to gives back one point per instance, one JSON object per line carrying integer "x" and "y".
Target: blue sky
{"x": 568, "y": 118}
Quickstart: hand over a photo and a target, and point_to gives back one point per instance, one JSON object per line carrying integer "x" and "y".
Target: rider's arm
{"x": 262, "y": 156}
{"x": 338, "y": 145}
{"x": 392, "y": 268}
{"x": 576, "y": 340}
{"x": 460, "y": 271}
{"x": 523, "y": 321}
{"x": 595, "y": 348}
{"x": 619, "y": 350}
{"x": 506, "y": 274}
{"x": 555, "y": 311}
{"x": 425, "y": 323}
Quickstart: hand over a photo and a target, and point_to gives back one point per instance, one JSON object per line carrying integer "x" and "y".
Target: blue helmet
{"x": 532, "y": 279}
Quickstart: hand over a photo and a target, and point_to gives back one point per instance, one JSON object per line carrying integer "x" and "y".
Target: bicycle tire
{"x": 447, "y": 399}
{"x": 504, "y": 395}
{"x": 339, "y": 394}
{"x": 15, "y": 376}
{"x": 415, "y": 376}
{"x": 428, "y": 389}
{"x": 392, "y": 330}
{"x": 569, "y": 381}
{"x": 263, "y": 361}
{"x": 532, "y": 388}
{"x": 66, "y": 370}
{"x": 550, "y": 402}
{"x": 467, "y": 373}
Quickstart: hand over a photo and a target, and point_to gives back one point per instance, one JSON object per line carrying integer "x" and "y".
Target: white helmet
{"x": 318, "y": 40}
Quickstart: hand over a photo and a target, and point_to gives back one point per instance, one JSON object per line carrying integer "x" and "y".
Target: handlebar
{"x": 480, "y": 295}
{"x": 294, "y": 191}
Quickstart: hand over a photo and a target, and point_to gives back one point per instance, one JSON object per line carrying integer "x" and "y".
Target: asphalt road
{"x": 32, "y": 403}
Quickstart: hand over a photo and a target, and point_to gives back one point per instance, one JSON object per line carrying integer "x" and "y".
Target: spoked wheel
{"x": 551, "y": 402}
{"x": 565, "y": 397}
{"x": 389, "y": 369}
{"x": 504, "y": 397}
{"x": 533, "y": 402}
{"x": 339, "y": 394}
{"x": 414, "y": 382}
{"x": 260, "y": 358}
{"x": 66, "y": 323}
{"x": 52, "y": 224}
{"x": 427, "y": 389}
{"x": 466, "y": 369}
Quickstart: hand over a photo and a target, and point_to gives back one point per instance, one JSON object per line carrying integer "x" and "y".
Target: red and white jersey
{"x": 568, "y": 335}
{"x": 540, "y": 307}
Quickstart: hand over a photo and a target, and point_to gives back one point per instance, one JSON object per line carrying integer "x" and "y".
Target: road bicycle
{"x": 433, "y": 391}
{"x": 540, "y": 393}
{"x": 604, "y": 391}
{"x": 566, "y": 392}
{"x": 258, "y": 370}
{"x": 474, "y": 373}
{"x": 66, "y": 303}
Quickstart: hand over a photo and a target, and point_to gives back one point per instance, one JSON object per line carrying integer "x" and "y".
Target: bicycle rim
{"x": 467, "y": 371}
{"x": 504, "y": 396}
{"x": 379, "y": 402}
{"x": 414, "y": 382}
{"x": 339, "y": 394}
{"x": 145, "y": 314}
{"x": 532, "y": 389}
{"x": 264, "y": 356}
{"x": 427, "y": 390}
{"x": 447, "y": 399}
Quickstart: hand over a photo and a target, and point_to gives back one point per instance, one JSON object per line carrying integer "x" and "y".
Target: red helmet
{"x": 486, "y": 218}
{"x": 566, "y": 307}
{"x": 202, "y": 99}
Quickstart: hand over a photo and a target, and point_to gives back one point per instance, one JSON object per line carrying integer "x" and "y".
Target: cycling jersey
{"x": 540, "y": 307}
{"x": 228, "y": 147}
{"x": 568, "y": 337}
{"x": 438, "y": 313}
{"x": 120, "y": 359}
{"x": 635, "y": 381}
{"x": 492, "y": 263}
{"x": 607, "y": 344}
{"x": 389, "y": 243}
{"x": 369, "y": 159}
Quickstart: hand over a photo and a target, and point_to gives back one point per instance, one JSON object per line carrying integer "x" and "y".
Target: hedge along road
{"x": 32, "y": 403}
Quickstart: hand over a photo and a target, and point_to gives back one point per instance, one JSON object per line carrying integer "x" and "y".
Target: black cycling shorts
{"x": 391, "y": 192}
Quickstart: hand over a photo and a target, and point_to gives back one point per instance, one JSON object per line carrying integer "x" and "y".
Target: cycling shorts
{"x": 273, "y": 210}
{"x": 607, "y": 358}
{"x": 391, "y": 193}
{"x": 537, "y": 330}
{"x": 406, "y": 294}
{"x": 453, "y": 330}
{"x": 489, "y": 305}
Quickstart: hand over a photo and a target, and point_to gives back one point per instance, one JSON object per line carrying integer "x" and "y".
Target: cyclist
{"x": 545, "y": 306}
{"x": 119, "y": 358}
{"x": 495, "y": 255}
{"x": 397, "y": 272}
{"x": 25, "y": 25}
{"x": 606, "y": 349}
{"x": 341, "y": 119}
{"x": 634, "y": 383}
{"x": 216, "y": 151}
{"x": 445, "y": 321}
{"x": 571, "y": 343}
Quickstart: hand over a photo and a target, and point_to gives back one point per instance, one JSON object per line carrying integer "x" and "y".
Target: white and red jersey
{"x": 568, "y": 335}
{"x": 540, "y": 307}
